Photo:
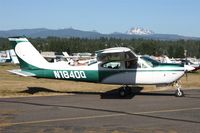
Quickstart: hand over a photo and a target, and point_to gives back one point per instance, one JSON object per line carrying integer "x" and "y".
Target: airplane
{"x": 8, "y": 56}
{"x": 196, "y": 65}
{"x": 118, "y": 65}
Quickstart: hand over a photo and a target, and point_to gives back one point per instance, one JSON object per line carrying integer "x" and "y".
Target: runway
{"x": 159, "y": 112}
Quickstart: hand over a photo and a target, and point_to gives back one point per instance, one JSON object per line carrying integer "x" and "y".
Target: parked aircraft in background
{"x": 189, "y": 62}
{"x": 8, "y": 56}
{"x": 117, "y": 65}
{"x": 64, "y": 57}
{"x": 193, "y": 62}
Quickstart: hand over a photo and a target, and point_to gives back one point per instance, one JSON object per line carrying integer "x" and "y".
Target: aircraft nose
{"x": 188, "y": 68}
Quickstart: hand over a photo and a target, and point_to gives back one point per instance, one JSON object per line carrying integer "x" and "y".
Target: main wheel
{"x": 179, "y": 93}
{"x": 128, "y": 90}
{"x": 122, "y": 93}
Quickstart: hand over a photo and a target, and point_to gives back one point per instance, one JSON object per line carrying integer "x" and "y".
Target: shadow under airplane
{"x": 112, "y": 94}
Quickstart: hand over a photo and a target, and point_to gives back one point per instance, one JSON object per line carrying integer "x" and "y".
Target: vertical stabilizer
{"x": 28, "y": 56}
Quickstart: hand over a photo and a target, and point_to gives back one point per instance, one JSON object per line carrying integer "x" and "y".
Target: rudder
{"x": 28, "y": 56}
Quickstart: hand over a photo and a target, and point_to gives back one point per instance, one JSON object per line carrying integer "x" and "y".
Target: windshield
{"x": 112, "y": 65}
{"x": 151, "y": 62}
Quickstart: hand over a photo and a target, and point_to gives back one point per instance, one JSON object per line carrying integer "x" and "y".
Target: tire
{"x": 179, "y": 93}
{"x": 122, "y": 93}
{"x": 129, "y": 90}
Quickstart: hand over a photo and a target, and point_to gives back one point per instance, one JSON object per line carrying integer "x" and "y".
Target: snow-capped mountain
{"x": 139, "y": 31}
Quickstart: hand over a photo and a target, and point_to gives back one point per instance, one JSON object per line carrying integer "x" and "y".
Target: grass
{"x": 192, "y": 80}
{"x": 15, "y": 86}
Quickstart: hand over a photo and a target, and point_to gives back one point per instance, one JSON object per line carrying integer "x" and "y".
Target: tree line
{"x": 140, "y": 46}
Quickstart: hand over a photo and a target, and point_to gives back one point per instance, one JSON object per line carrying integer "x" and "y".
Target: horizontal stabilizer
{"x": 22, "y": 73}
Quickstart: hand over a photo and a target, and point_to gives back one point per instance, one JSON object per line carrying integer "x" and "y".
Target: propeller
{"x": 186, "y": 75}
{"x": 186, "y": 63}
{"x": 188, "y": 69}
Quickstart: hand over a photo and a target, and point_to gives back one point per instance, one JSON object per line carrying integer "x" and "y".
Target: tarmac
{"x": 150, "y": 112}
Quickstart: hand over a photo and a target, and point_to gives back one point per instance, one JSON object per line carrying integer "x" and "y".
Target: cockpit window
{"x": 143, "y": 64}
{"x": 131, "y": 64}
{"x": 112, "y": 65}
{"x": 151, "y": 62}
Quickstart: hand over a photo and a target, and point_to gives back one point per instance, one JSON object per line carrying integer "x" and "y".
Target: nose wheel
{"x": 178, "y": 92}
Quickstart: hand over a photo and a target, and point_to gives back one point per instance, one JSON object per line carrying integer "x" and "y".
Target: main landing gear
{"x": 125, "y": 90}
{"x": 178, "y": 92}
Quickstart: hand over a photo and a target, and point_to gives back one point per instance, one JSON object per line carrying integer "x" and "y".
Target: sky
{"x": 105, "y": 16}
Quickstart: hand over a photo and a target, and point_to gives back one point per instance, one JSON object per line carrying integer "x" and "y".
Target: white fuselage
{"x": 141, "y": 76}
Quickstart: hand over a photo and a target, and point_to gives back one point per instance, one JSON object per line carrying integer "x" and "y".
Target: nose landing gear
{"x": 178, "y": 92}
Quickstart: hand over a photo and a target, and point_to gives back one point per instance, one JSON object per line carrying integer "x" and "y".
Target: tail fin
{"x": 29, "y": 58}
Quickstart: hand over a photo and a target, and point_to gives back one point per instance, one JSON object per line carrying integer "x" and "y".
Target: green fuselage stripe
{"x": 85, "y": 75}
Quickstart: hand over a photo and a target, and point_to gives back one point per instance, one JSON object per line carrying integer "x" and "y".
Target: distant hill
{"x": 70, "y": 32}
{"x": 43, "y": 33}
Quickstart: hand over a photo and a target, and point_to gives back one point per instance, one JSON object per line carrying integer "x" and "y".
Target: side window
{"x": 131, "y": 64}
{"x": 112, "y": 65}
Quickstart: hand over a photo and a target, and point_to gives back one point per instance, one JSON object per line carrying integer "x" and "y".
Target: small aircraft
{"x": 8, "y": 56}
{"x": 119, "y": 65}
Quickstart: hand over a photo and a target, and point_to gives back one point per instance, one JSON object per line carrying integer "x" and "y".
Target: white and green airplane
{"x": 117, "y": 65}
